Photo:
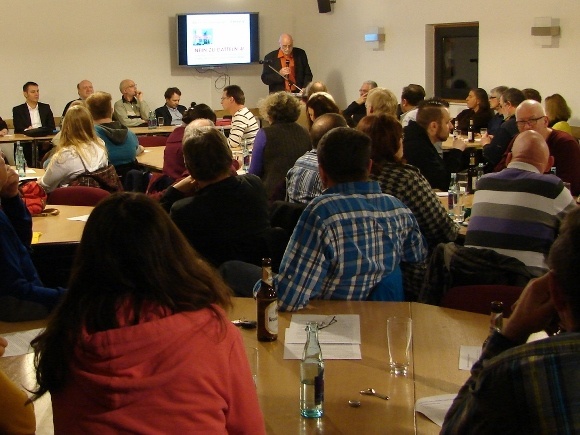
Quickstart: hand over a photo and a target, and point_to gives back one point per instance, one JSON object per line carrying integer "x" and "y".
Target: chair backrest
{"x": 152, "y": 141}
{"x": 285, "y": 215}
{"x": 77, "y": 195}
{"x": 478, "y": 298}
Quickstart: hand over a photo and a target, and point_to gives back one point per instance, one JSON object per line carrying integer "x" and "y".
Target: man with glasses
{"x": 497, "y": 120}
{"x": 494, "y": 146}
{"x": 357, "y": 109}
{"x": 290, "y": 66}
{"x": 530, "y": 115}
{"x": 131, "y": 110}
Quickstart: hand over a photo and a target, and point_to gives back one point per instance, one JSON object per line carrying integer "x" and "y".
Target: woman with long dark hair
{"x": 141, "y": 342}
{"x": 477, "y": 110}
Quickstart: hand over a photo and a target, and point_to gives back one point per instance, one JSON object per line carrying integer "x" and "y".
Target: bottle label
{"x": 271, "y": 317}
{"x": 319, "y": 388}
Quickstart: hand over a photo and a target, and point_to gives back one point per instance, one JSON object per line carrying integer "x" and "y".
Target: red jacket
{"x": 181, "y": 373}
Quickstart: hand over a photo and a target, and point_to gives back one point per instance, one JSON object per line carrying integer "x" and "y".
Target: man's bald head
{"x": 530, "y": 147}
{"x": 323, "y": 124}
{"x": 200, "y": 123}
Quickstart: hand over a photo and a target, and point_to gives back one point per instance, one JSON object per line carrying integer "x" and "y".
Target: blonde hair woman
{"x": 79, "y": 150}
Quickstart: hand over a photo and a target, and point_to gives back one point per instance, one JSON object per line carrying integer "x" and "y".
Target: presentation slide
{"x": 218, "y": 39}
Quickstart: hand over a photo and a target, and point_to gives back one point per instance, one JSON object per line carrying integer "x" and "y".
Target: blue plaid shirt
{"x": 302, "y": 180}
{"x": 529, "y": 389}
{"x": 346, "y": 242}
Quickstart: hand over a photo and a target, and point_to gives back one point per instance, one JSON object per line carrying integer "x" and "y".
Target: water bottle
{"x": 246, "y": 155}
{"x": 20, "y": 161}
{"x": 312, "y": 375}
{"x": 152, "y": 121}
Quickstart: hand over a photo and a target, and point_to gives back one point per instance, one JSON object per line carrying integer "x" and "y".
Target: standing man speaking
{"x": 291, "y": 64}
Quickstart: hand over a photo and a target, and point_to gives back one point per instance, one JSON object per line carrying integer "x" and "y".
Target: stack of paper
{"x": 19, "y": 342}
{"x": 339, "y": 340}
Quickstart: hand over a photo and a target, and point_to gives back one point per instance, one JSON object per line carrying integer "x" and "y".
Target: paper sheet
{"x": 35, "y": 237}
{"x": 339, "y": 340}
{"x": 435, "y": 407}
{"x": 329, "y": 351}
{"x": 82, "y": 218}
{"x": 346, "y": 329}
{"x": 19, "y": 342}
{"x": 468, "y": 355}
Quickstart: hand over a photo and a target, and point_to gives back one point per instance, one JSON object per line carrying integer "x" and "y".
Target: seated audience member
{"x": 173, "y": 164}
{"x": 357, "y": 109}
{"x": 477, "y": 110}
{"x": 84, "y": 89}
{"x": 16, "y": 413}
{"x": 349, "y": 241}
{"x": 518, "y": 211}
{"x": 558, "y": 113}
{"x": 381, "y": 100}
{"x": 497, "y": 119}
{"x": 406, "y": 183}
{"x": 244, "y": 124}
{"x": 278, "y": 146}
{"x": 563, "y": 147}
{"x": 494, "y": 145}
{"x": 131, "y": 110}
{"x": 318, "y": 104}
{"x": 313, "y": 88}
{"x": 158, "y": 341}
{"x": 80, "y": 150}
{"x": 432, "y": 125}
{"x": 3, "y": 127}
{"x": 303, "y": 180}
{"x": 206, "y": 206}
{"x": 32, "y": 114}
{"x": 411, "y": 96}
{"x": 22, "y": 294}
{"x": 122, "y": 144}
{"x": 532, "y": 94}
{"x": 172, "y": 111}
{"x": 530, "y": 388}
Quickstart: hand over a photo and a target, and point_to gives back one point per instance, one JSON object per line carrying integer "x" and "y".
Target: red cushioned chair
{"x": 478, "y": 298}
{"x": 76, "y": 195}
{"x": 152, "y": 141}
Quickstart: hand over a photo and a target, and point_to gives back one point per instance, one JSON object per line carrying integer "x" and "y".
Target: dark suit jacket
{"x": 164, "y": 111}
{"x": 21, "y": 117}
{"x": 274, "y": 81}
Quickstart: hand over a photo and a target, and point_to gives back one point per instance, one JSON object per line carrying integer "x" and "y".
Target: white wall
{"x": 59, "y": 42}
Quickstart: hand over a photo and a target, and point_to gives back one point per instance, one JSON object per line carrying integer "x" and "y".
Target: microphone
{"x": 265, "y": 61}
{"x": 287, "y": 63}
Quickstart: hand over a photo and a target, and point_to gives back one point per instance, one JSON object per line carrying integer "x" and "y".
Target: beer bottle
{"x": 470, "y": 132}
{"x": 471, "y": 172}
{"x": 267, "y": 305}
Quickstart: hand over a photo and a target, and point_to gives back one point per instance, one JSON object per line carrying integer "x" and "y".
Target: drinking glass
{"x": 252, "y": 354}
{"x": 399, "y": 334}
{"x": 160, "y": 121}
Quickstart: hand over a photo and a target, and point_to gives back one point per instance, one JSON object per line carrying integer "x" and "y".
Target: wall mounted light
{"x": 546, "y": 31}
{"x": 375, "y": 38}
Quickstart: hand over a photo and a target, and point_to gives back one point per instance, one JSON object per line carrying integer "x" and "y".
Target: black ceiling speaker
{"x": 324, "y": 6}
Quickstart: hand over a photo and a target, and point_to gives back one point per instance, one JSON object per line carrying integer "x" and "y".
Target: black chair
{"x": 53, "y": 262}
{"x": 285, "y": 215}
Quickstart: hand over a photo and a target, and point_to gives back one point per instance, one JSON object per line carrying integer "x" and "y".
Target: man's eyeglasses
{"x": 224, "y": 98}
{"x": 530, "y": 122}
{"x": 327, "y": 322}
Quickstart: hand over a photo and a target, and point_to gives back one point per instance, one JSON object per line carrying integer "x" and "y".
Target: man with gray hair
{"x": 303, "y": 180}
{"x": 131, "y": 110}
{"x": 357, "y": 110}
{"x": 497, "y": 120}
{"x": 202, "y": 204}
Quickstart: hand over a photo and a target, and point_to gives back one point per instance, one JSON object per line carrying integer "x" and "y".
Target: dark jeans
{"x": 241, "y": 277}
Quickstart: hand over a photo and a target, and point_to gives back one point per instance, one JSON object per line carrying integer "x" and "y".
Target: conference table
{"x": 437, "y": 336}
{"x": 59, "y": 228}
{"x": 152, "y": 158}
{"x": 19, "y": 137}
